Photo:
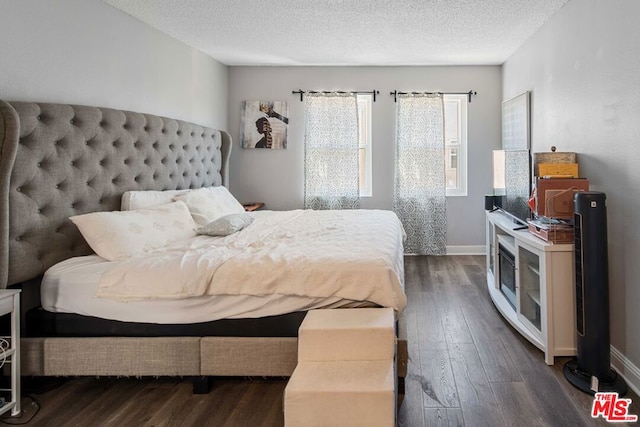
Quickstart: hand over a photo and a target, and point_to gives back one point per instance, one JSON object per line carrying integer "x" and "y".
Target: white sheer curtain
{"x": 331, "y": 153}
{"x": 420, "y": 186}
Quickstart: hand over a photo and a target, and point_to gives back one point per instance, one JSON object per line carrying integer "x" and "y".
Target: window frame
{"x": 365, "y": 102}
{"x": 461, "y": 102}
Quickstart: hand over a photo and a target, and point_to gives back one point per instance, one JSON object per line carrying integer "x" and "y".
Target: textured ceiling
{"x": 348, "y": 32}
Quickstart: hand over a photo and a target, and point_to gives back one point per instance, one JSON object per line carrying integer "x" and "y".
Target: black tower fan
{"x": 591, "y": 370}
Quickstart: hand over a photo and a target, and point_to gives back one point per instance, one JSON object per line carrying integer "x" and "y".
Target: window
{"x": 455, "y": 118}
{"x": 455, "y": 137}
{"x": 365, "y": 101}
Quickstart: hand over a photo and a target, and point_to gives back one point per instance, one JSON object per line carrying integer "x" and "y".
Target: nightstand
{"x": 10, "y": 348}
{"x": 250, "y": 207}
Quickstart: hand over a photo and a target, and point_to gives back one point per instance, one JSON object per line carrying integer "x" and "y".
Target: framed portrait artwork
{"x": 263, "y": 124}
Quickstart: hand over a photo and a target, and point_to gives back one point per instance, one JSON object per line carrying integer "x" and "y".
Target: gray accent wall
{"x": 582, "y": 69}
{"x": 89, "y": 53}
{"x": 276, "y": 177}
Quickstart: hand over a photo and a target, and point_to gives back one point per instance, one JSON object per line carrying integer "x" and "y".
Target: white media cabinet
{"x": 542, "y": 305}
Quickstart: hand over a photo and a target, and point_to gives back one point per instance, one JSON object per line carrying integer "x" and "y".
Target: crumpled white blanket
{"x": 351, "y": 254}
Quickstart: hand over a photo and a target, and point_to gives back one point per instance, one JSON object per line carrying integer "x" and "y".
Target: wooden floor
{"x": 467, "y": 367}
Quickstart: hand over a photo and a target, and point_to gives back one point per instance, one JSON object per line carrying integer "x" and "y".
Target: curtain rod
{"x": 395, "y": 94}
{"x": 302, "y": 92}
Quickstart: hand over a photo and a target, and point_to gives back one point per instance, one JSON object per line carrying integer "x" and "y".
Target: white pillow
{"x": 132, "y": 200}
{"x": 122, "y": 234}
{"x": 211, "y": 203}
{"x": 226, "y": 225}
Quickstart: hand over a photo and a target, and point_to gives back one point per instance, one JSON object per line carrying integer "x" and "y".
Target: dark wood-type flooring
{"x": 467, "y": 367}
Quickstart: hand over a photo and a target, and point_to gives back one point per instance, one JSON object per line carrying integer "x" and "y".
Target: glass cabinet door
{"x": 529, "y": 275}
{"x": 491, "y": 249}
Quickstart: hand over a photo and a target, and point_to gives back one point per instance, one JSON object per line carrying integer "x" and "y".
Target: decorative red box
{"x": 554, "y": 196}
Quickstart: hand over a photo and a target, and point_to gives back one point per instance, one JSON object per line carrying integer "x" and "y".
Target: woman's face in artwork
{"x": 263, "y": 126}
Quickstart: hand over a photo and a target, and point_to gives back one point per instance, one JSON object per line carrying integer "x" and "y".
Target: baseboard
{"x": 467, "y": 250}
{"x": 626, "y": 369}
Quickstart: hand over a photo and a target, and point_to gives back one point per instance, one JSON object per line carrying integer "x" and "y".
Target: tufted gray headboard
{"x": 60, "y": 160}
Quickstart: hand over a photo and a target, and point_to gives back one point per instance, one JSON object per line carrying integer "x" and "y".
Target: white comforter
{"x": 351, "y": 254}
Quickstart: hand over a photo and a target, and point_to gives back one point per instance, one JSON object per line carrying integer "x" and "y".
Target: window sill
{"x": 456, "y": 194}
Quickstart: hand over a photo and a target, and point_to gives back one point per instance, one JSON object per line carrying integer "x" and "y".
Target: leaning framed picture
{"x": 515, "y": 123}
{"x": 263, "y": 124}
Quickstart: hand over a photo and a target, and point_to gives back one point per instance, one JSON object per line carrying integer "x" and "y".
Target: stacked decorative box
{"x": 346, "y": 370}
{"x": 555, "y": 165}
{"x": 557, "y": 180}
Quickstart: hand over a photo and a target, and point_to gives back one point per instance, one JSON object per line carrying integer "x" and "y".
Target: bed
{"x": 59, "y": 161}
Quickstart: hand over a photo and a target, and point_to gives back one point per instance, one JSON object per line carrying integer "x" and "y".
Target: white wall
{"x": 276, "y": 177}
{"x": 87, "y": 52}
{"x": 583, "y": 71}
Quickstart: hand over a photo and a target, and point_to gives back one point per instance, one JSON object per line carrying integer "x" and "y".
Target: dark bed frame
{"x": 59, "y": 160}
